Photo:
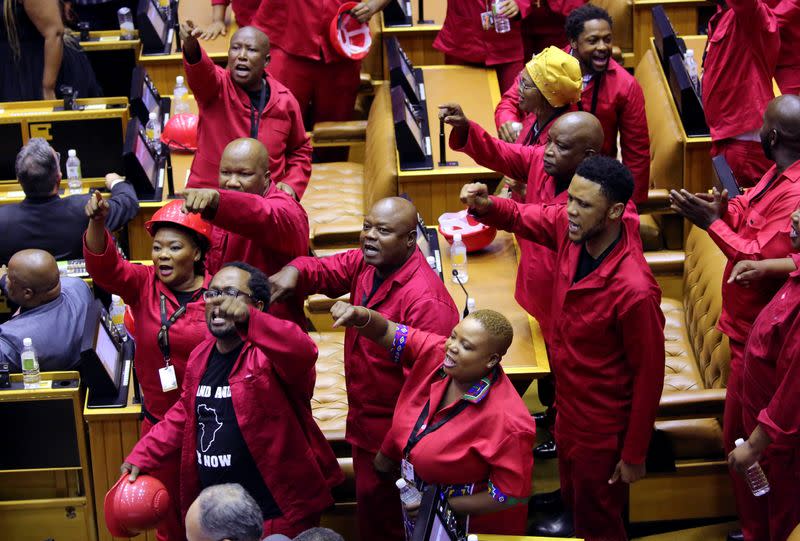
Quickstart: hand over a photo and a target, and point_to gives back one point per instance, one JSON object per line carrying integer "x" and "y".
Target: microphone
{"x": 458, "y": 279}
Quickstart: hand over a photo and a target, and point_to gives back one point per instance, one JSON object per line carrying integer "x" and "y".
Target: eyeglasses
{"x": 525, "y": 86}
{"x": 231, "y": 292}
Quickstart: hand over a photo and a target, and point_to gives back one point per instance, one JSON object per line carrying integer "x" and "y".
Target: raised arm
{"x": 507, "y": 111}
{"x": 123, "y": 203}
{"x": 202, "y": 75}
{"x": 46, "y": 17}
{"x": 332, "y": 276}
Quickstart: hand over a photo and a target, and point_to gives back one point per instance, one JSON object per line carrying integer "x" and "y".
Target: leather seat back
{"x": 702, "y": 298}
{"x": 380, "y": 163}
{"x": 666, "y": 155}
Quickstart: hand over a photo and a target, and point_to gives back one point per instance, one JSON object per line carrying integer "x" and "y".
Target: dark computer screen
{"x": 39, "y": 427}
{"x": 107, "y": 352}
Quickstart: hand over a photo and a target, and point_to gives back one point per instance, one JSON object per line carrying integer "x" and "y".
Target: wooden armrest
{"x": 355, "y": 130}
{"x": 692, "y": 404}
{"x": 657, "y": 200}
{"x": 665, "y": 261}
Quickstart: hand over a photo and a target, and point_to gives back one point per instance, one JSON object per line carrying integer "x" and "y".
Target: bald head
{"x": 248, "y": 55}
{"x": 783, "y": 116}
{"x": 389, "y": 235}
{"x": 33, "y": 278}
{"x": 244, "y": 166}
{"x": 573, "y": 137}
{"x": 251, "y": 32}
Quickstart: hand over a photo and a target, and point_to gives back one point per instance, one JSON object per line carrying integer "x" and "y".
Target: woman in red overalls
{"x": 167, "y": 304}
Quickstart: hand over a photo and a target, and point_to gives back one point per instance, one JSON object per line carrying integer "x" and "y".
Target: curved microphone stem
{"x": 458, "y": 279}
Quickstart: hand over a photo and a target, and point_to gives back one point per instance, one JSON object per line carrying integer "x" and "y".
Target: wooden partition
{"x": 417, "y": 39}
{"x": 685, "y": 16}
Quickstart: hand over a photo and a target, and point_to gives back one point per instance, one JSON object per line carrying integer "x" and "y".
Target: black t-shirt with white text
{"x": 222, "y": 454}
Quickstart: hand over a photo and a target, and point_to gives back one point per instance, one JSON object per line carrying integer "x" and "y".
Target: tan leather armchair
{"x": 339, "y": 193}
{"x": 697, "y": 365}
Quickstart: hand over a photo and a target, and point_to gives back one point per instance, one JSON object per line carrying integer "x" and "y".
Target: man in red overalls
{"x": 324, "y": 82}
{"x": 770, "y": 394}
{"x": 608, "y": 339}
{"x": 738, "y": 66}
{"x": 752, "y": 226}
{"x": 609, "y": 92}
{"x": 544, "y": 26}
{"x": 388, "y": 274}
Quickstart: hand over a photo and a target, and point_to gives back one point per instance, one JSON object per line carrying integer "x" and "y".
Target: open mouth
{"x": 370, "y": 250}
{"x": 600, "y": 60}
{"x": 165, "y": 270}
{"x": 448, "y": 362}
{"x": 573, "y": 227}
{"x": 216, "y": 320}
{"x": 241, "y": 70}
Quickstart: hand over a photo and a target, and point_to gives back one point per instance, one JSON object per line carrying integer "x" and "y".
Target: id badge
{"x": 168, "y": 380}
{"x": 487, "y": 21}
{"x": 407, "y": 470}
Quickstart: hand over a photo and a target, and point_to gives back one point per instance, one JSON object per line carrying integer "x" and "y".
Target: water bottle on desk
{"x": 118, "y": 315}
{"x": 153, "y": 132}
{"x": 501, "y": 22}
{"x": 125, "y": 19}
{"x": 756, "y": 479}
{"x": 409, "y": 494}
{"x": 30, "y": 365}
{"x": 458, "y": 258}
{"x": 691, "y": 68}
{"x": 74, "y": 182}
{"x": 180, "y": 96}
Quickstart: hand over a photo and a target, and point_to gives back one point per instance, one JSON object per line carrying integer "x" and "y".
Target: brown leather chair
{"x": 339, "y": 193}
{"x": 697, "y": 365}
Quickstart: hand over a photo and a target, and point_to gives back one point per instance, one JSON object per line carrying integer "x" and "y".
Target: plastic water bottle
{"x": 30, "y": 365}
{"x": 756, "y": 479}
{"x": 74, "y": 183}
{"x": 517, "y": 127}
{"x": 409, "y": 494}
{"x": 691, "y": 67}
{"x": 470, "y": 305}
{"x": 125, "y": 19}
{"x": 501, "y": 22}
{"x": 118, "y": 314}
{"x": 458, "y": 258}
{"x": 472, "y": 537}
{"x": 179, "y": 95}
{"x": 153, "y": 132}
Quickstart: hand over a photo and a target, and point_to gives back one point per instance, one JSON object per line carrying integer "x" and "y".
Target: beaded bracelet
{"x": 399, "y": 342}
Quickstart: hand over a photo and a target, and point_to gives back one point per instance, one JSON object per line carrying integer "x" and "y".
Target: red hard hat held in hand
{"x": 350, "y": 38}
{"x": 172, "y": 213}
{"x": 180, "y": 133}
{"x": 132, "y": 508}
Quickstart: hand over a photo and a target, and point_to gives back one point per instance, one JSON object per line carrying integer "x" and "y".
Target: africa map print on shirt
{"x": 211, "y": 419}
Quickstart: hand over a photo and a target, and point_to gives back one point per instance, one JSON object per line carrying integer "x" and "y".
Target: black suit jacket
{"x": 56, "y": 224}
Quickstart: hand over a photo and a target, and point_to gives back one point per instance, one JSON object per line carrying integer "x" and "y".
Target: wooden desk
{"x": 417, "y": 39}
{"x": 685, "y": 16}
{"x": 492, "y": 280}
{"x": 163, "y": 68}
{"x": 436, "y": 191}
{"x": 113, "y": 60}
{"x": 697, "y": 171}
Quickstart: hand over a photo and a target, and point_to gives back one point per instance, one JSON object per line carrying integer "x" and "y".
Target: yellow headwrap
{"x": 557, "y": 75}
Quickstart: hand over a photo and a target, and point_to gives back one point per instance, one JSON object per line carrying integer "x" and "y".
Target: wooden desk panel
{"x": 436, "y": 191}
{"x": 492, "y": 280}
{"x": 683, "y": 14}
{"x": 163, "y": 68}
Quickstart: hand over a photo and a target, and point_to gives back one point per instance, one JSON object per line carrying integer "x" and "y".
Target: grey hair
{"x": 319, "y": 534}
{"x": 37, "y": 167}
{"x": 228, "y": 512}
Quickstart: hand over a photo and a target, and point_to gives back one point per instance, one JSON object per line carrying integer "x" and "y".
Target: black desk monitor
{"x": 436, "y": 521}
{"x": 412, "y": 133}
{"x": 397, "y": 13}
{"x": 144, "y": 97}
{"x": 104, "y": 364}
{"x": 144, "y": 169}
{"x": 665, "y": 38}
{"x": 686, "y": 98}
{"x": 155, "y": 28}
{"x": 402, "y": 72}
{"x": 724, "y": 177}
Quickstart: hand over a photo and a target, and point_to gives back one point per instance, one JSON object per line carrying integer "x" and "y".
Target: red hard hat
{"x": 172, "y": 213}
{"x": 350, "y": 38}
{"x": 475, "y": 235}
{"x": 180, "y": 133}
{"x": 132, "y": 508}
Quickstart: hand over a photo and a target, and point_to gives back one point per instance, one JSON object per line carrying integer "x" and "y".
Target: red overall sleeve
{"x": 643, "y": 335}
{"x": 564, "y": 7}
{"x": 534, "y": 222}
{"x": 204, "y": 78}
{"x": 510, "y": 159}
{"x": 164, "y": 439}
{"x": 298, "y": 152}
{"x": 114, "y": 274}
{"x": 771, "y": 242}
{"x": 291, "y": 351}
{"x": 635, "y": 141}
{"x": 754, "y": 14}
{"x": 511, "y": 466}
{"x": 277, "y": 223}
{"x": 332, "y": 275}
{"x": 733, "y": 215}
{"x": 507, "y": 109}
{"x": 781, "y": 418}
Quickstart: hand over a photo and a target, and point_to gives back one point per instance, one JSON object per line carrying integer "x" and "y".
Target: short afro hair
{"x": 258, "y": 281}
{"x": 498, "y": 326}
{"x": 615, "y": 180}
{"x": 578, "y": 17}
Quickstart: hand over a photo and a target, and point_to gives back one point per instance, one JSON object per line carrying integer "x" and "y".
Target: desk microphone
{"x": 458, "y": 279}
{"x": 443, "y": 148}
